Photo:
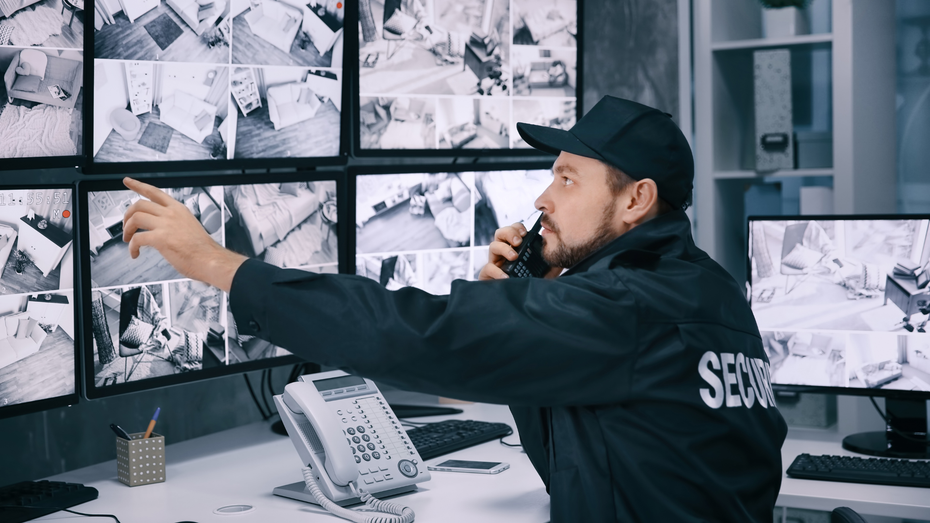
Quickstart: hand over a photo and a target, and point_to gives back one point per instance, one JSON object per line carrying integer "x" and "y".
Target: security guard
{"x": 635, "y": 370}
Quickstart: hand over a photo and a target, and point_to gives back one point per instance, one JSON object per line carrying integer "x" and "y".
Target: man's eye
{"x": 567, "y": 181}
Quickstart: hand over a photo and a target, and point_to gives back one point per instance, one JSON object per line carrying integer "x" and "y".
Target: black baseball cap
{"x": 640, "y": 141}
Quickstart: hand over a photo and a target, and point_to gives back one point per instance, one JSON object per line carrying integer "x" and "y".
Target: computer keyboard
{"x": 878, "y": 471}
{"x": 436, "y": 439}
{"x": 28, "y": 500}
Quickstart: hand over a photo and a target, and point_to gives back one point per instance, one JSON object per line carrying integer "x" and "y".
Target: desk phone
{"x": 348, "y": 440}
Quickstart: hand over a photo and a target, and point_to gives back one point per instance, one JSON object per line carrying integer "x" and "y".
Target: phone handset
{"x": 303, "y": 398}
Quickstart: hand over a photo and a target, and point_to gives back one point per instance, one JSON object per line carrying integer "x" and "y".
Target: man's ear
{"x": 644, "y": 196}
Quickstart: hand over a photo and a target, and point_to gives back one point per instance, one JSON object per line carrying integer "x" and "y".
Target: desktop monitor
{"x": 842, "y": 303}
{"x": 212, "y": 85}
{"x": 425, "y": 228}
{"x": 38, "y": 353}
{"x": 42, "y": 104}
{"x": 148, "y": 326}
{"x": 452, "y": 78}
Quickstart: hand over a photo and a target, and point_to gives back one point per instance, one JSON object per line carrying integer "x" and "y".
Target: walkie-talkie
{"x": 530, "y": 262}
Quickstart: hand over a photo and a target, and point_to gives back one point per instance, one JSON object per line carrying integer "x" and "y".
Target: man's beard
{"x": 567, "y": 256}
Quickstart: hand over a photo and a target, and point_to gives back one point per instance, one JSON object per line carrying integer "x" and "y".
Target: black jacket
{"x": 629, "y": 376}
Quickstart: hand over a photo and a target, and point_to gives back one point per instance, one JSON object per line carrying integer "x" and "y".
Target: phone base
{"x": 299, "y": 492}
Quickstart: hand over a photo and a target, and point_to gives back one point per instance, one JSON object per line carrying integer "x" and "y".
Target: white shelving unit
{"x": 861, "y": 48}
{"x": 140, "y": 77}
{"x": 245, "y": 89}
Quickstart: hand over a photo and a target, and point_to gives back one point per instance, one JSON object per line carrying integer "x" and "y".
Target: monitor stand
{"x": 907, "y": 416}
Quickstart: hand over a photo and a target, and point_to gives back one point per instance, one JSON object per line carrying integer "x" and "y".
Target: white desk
{"x": 243, "y": 465}
{"x": 878, "y": 500}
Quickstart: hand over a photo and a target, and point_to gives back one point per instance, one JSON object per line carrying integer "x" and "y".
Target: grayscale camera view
{"x": 476, "y": 123}
{"x": 431, "y": 271}
{"x": 397, "y": 123}
{"x": 168, "y": 31}
{"x": 290, "y": 225}
{"x": 110, "y": 263}
{"x": 547, "y": 23}
{"x": 446, "y": 47}
{"x": 843, "y": 275}
{"x": 285, "y": 112}
{"x": 504, "y": 198}
{"x": 413, "y": 212}
{"x": 452, "y": 74}
{"x": 807, "y": 358}
{"x": 153, "y": 330}
{"x": 42, "y": 99}
{"x": 271, "y": 32}
{"x": 189, "y": 80}
{"x": 145, "y": 111}
{"x": 36, "y": 346}
{"x": 888, "y": 361}
{"x": 36, "y": 241}
{"x": 544, "y": 72}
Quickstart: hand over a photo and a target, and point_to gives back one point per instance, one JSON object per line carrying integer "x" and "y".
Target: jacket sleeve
{"x": 567, "y": 341}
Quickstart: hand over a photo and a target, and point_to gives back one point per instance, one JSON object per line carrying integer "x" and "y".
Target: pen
{"x": 148, "y": 432}
{"x": 119, "y": 431}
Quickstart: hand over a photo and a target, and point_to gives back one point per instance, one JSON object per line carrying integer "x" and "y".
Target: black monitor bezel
{"x": 143, "y": 169}
{"x": 30, "y": 407}
{"x": 90, "y": 390}
{"x": 846, "y": 391}
{"x": 352, "y": 49}
{"x": 368, "y": 170}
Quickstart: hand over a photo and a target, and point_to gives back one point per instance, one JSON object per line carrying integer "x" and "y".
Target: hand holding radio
{"x": 517, "y": 253}
{"x": 502, "y": 250}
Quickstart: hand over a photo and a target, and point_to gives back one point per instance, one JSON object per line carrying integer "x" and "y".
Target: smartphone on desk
{"x": 530, "y": 262}
{"x": 476, "y": 467}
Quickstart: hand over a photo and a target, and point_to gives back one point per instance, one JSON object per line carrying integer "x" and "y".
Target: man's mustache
{"x": 547, "y": 223}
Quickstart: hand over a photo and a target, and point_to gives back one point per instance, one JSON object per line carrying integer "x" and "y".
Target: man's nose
{"x": 544, "y": 201}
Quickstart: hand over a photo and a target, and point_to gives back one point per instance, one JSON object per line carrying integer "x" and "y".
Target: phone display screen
{"x": 338, "y": 383}
{"x": 461, "y": 464}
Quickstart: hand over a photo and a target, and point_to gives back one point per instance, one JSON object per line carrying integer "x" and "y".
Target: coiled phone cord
{"x": 402, "y": 514}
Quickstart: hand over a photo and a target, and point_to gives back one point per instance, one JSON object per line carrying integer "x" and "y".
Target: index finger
{"x": 511, "y": 234}
{"x": 149, "y": 191}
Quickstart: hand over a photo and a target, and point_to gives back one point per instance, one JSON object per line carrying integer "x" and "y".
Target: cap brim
{"x": 554, "y": 141}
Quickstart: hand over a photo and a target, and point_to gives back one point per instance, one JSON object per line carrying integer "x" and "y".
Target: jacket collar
{"x": 665, "y": 236}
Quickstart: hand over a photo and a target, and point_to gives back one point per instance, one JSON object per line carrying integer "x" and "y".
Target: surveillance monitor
{"x": 38, "y": 353}
{"x": 452, "y": 78}
{"x": 150, "y": 326}
{"x": 840, "y": 302}
{"x": 217, "y": 84}
{"x": 425, "y": 228}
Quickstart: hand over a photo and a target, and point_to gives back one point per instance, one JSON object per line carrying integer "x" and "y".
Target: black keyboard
{"x": 29, "y": 500}
{"x": 436, "y": 439}
{"x": 878, "y": 471}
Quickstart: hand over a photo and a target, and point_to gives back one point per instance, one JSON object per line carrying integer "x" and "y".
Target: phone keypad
{"x": 378, "y": 441}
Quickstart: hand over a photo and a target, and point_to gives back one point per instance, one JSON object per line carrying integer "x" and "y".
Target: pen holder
{"x": 140, "y": 461}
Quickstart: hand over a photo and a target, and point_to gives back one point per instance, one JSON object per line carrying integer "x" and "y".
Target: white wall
{"x": 110, "y": 93}
{"x": 282, "y": 75}
{"x": 12, "y": 304}
{"x": 326, "y": 87}
{"x": 188, "y": 78}
{"x": 66, "y": 320}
